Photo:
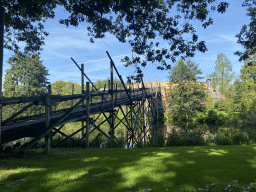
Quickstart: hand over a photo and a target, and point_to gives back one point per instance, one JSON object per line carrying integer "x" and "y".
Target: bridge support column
{"x": 82, "y": 83}
{"x": 127, "y": 132}
{"x": 87, "y": 115}
{"x": 112, "y": 121}
{"x": 47, "y": 120}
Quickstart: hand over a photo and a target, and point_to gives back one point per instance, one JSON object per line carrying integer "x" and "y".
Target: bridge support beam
{"x": 47, "y": 120}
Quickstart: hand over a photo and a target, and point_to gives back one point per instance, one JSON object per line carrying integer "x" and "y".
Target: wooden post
{"x": 1, "y": 63}
{"x": 72, "y": 104}
{"x": 87, "y": 115}
{"x": 112, "y": 104}
{"x": 82, "y": 83}
{"x": 132, "y": 123}
{"x": 127, "y": 132}
{"x": 47, "y": 119}
{"x": 144, "y": 122}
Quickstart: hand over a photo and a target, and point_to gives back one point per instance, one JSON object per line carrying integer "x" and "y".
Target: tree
{"x": 188, "y": 95}
{"x": 23, "y": 23}
{"x": 65, "y": 88}
{"x": 142, "y": 20}
{"x": 183, "y": 71}
{"x": 236, "y": 90}
{"x": 247, "y": 38}
{"x": 222, "y": 74}
{"x": 26, "y": 77}
{"x": 248, "y": 72}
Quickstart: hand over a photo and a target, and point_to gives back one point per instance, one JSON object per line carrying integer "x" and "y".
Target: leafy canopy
{"x": 247, "y": 35}
{"x": 135, "y": 21}
{"x": 24, "y": 23}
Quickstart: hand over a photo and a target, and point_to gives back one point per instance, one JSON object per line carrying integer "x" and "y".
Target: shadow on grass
{"x": 158, "y": 169}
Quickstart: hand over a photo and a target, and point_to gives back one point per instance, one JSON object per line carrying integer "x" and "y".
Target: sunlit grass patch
{"x": 157, "y": 169}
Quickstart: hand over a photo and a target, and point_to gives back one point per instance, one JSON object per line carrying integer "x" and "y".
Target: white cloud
{"x": 228, "y": 37}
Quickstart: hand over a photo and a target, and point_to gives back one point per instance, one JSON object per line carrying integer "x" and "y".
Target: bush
{"x": 96, "y": 141}
{"x": 160, "y": 140}
{"x": 240, "y": 138}
{"x": 116, "y": 144}
{"x": 185, "y": 138}
{"x": 139, "y": 144}
{"x": 222, "y": 137}
{"x": 193, "y": 138}
{"x": 174, "y": 139}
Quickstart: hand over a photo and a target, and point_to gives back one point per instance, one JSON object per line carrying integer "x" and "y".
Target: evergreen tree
{"x": 248, "y": 72}
{"x": 222, "y": 74}
{"x": 26, "y": 77}
{"x": 186, "y": 95}
{"x": 182, "y": 71}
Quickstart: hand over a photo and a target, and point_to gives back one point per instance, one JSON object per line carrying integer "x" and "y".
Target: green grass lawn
{"x": 160, "y": 169}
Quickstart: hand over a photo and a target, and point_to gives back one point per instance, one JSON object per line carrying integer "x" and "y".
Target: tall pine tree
{"x": 26, "y": 77}
{"x": 188, "y": 95}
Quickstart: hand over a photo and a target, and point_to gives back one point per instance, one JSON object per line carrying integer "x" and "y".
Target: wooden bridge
{"x": 141, "y": 103}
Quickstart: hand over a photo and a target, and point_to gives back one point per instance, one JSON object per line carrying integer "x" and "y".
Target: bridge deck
{"x": 35, "y": 125}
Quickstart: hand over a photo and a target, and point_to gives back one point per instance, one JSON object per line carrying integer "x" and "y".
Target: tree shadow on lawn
{"x": 158, "y": 169}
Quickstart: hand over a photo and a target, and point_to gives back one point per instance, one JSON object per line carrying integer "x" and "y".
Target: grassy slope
{"x": 173, "y": 168}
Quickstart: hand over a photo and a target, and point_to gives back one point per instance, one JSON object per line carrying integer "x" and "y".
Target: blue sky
{"x": 64, "y": 43}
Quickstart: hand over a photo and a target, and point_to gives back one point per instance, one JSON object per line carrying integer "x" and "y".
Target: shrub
{"x": 193, "y": 138}
{"x": 96, "y": 141}
{"x": 115, "y": 144}
{"x": 8, "y": 150}
{"x": 139, "y": 144}
{"x": 222, "y": 139}
{"x": 240, "y": 138}
{"x": 174, "y": 139}
{"x": 160, "y": 140}
{"x": 185, "y": 138}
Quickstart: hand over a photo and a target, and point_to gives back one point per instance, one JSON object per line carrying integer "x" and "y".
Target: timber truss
{"x": 139, "y": 107}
